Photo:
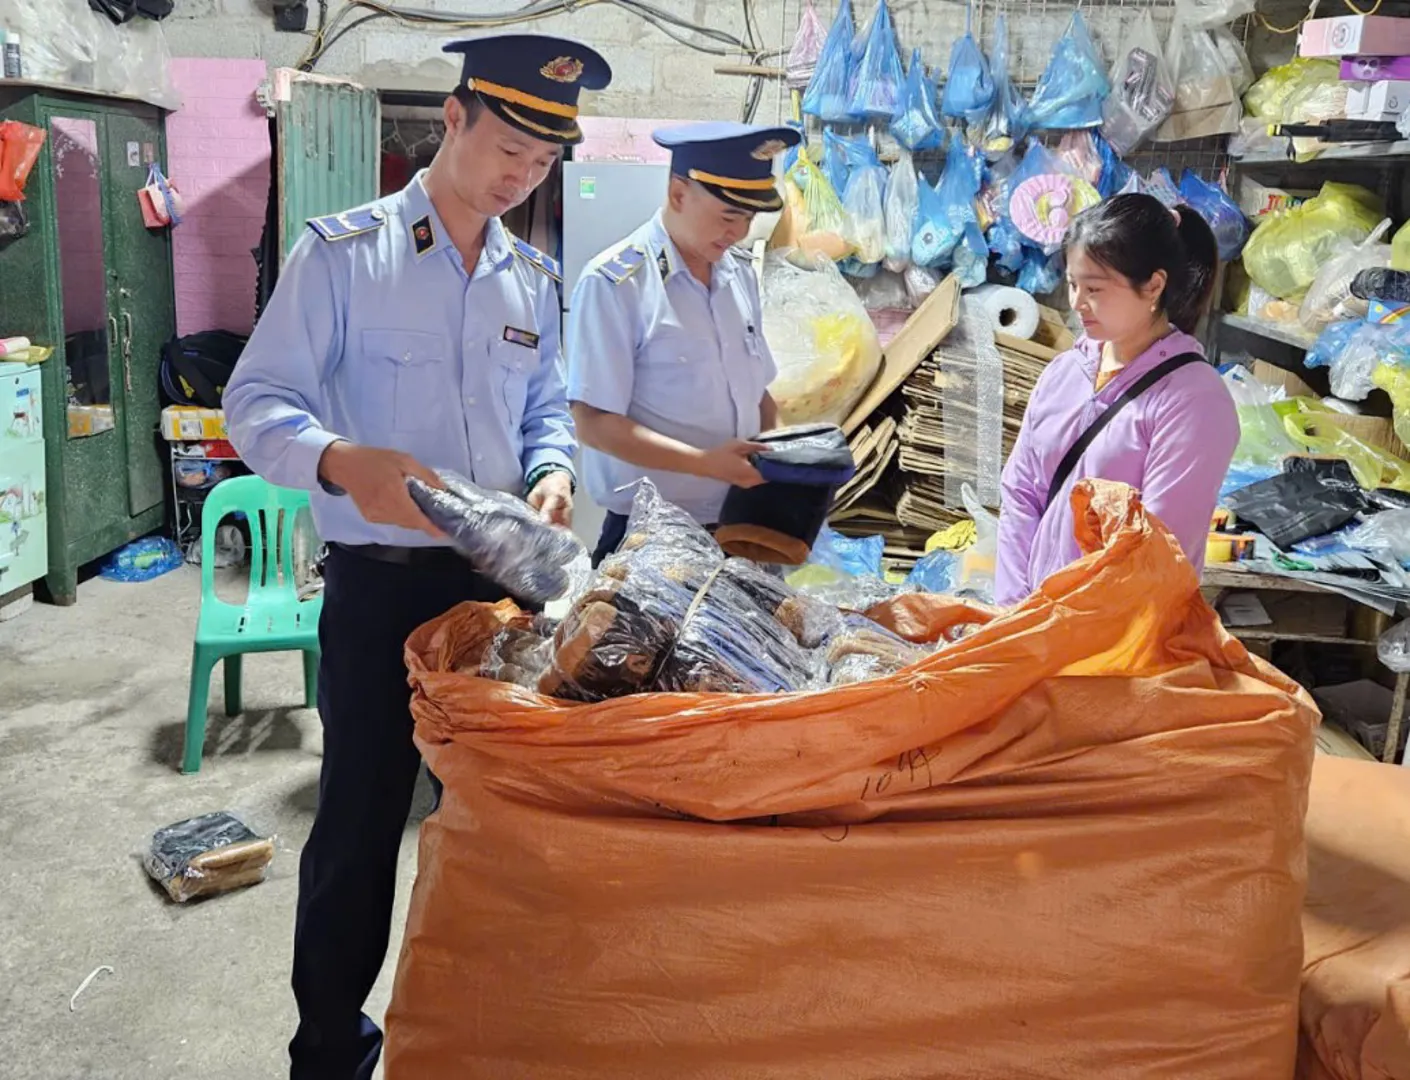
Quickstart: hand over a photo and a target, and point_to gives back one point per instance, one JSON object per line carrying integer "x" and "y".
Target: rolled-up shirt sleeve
{"x": 276, "y": 394}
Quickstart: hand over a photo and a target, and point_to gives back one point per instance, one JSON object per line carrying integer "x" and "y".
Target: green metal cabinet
{"x": 92, "y": 281}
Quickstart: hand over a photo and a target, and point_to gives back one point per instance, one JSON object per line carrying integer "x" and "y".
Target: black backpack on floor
{"x": 195, "y": 368}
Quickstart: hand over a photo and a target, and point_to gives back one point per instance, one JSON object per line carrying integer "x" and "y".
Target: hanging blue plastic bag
{"x": 866, "y": 219}
{"x": 834, "y": 161}
{"x": 1041, "y": 274}
{"x": 1008, "y": 119}
{"x": 916, "y": 124}
{"x": 1006, "y": 243}
{"x": 879, "y": 74}
{"x": 827, "y": 94}
{"x": 969, "y": 88}
{"x": 1074, "y": 85}
{"x": 1116, "y": 175}
{"x": 945, "y": 211}
{"x": 902, "y": 203}
{"x": 1225, "y": 219}
{"x": 971, "y": 257}
{"x": 1162, "y": 185}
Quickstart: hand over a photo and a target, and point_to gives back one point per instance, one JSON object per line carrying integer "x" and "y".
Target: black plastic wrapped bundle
{"x": 504, "y": 538}
{"x": 778, "y": 521}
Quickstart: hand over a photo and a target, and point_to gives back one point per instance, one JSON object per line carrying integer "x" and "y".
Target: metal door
{"x": 328, "y": 148}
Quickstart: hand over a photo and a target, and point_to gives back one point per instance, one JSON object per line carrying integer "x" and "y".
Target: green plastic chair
{"x": 272, "y": 619}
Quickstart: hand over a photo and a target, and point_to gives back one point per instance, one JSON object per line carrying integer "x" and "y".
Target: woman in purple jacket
{"x": 1139, "y": 276}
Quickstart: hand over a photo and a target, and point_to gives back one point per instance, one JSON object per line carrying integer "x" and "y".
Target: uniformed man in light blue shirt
{"x": 408, "y": 335}
{"x": 668, "y": 370}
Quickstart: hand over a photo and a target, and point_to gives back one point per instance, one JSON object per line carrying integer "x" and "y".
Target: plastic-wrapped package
{"x": 834, "y": 162}
{"x": 884, "y": 291}
{"x": 1288, "y": 247}
{"x": 864, "y": 650}
{"x": 1267, "y": 98}
{"x": 518, "y": 654}
{"x": 916, "y": 124}
{"x": 1307, "y": 500}
{"x": 822, "y": 225}
{"x": 902, "y": 204}
{"x": 969, "y": 87}
{"x": 827, "y": 96}
{"x": 1210, "y": 73}
{"x": 1074, "y": 85}
{"x": 971, "y": 257}
{"x": 1225, "y": 219}
{"x": 807, "y": 47}
{"x": 503, "y": 538}
{"x": 810, "y": 622}
{"x": 823, "y": 341}
{"x": 1045, "y": 195}
{"x": 1393, "y": 648}
{"x": 879, "y": 76}
{"x": 866, "y": 215}
{"x": 1143, "y": 88}
{"x": 1207, "y": 14}
{"x": 1352, "y": 374}
{"x": 654, "y": 521}
{"x": 1329, "y": 298}
{"x": 1262, "y": 439}
{"x": 1386, "y": 534}
{"x": 60, "y": 40}
{"x": 1399, "y": 247}
{"x": 945, "y": 211}
{"x": 1079, "y": 153}
{"x": 207, "y": 855}
{"x": 1008, "y": 120}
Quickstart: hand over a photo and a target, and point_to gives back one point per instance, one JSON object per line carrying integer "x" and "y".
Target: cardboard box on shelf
{"x": 1290, "y": 381}
{"x": 1384, "y": 100}
{"x": 87, "y": 420}
{"x": 187, "y": 423}
{"x": 1354, "y": 35}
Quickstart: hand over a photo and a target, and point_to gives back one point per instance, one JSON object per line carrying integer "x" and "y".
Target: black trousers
{"x": 614, "y": 531}
{"x": 347, "y": 875}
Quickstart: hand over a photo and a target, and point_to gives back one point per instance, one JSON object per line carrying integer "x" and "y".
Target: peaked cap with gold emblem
{"x": 735, "y": 162}
{"x": 532, "y": 81}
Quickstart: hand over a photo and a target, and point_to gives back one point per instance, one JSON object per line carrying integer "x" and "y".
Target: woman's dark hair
{"x": 1135, "y": 235}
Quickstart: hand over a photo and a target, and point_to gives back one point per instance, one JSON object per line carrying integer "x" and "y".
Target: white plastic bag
{"x": 921, "y": 281}
{"x": 902, "y": 204}
{"x": 1207, "y": 14}
{"x": 1142, "y": 88}
{"x": 884, "y": 292}
{"x": 1386, "y": 534}
{"x": 866, "y": 215}
{"x": 821, "y": 337}
{"x": 1329, "y": 298}
{"x": 977, "y": 562}
{"x": 1393, "y": 649}
{"x": 1211, "y": 73}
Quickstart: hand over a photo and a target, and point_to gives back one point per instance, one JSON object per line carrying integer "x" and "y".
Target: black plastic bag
{"x": 1311, "y": 498}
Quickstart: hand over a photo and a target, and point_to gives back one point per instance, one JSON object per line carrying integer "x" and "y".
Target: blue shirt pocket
{"x": 512, "y": 367}
{"x": 406, "y": 375}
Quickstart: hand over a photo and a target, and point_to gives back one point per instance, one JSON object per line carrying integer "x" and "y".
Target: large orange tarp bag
{"x": 1356, "y": 976}
{"x": 1068, "y": 846}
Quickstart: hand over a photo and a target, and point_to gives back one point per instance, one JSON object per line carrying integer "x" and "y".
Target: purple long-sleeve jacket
{"x": 1173, "y": 444}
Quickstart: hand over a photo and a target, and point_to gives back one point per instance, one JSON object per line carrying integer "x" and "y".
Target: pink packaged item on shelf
{"x": 1374, "y": 68}
{"x": 1355, "y": 35}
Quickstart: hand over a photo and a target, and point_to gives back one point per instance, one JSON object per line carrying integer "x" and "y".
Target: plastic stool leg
{"x": 233, "y": 665}
{"x": 202, "y": 665}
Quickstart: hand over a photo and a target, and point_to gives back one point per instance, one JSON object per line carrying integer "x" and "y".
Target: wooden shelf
{"x": 1269, "y": 331}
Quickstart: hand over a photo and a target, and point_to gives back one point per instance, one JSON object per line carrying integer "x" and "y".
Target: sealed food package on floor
{"x": 1067, "y": 845}
{"x": 1356, "y": 923}
{"x": 206, "y": 855}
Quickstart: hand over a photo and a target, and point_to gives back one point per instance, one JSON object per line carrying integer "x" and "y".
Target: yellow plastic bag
{"x": 824, "y": 223}
{"x": 1313, "y": 426}
{"x": 1289, "y": 246}
{"x": 1395, "y": 381}
{"x": 1400, "y": 248}
{"x": 1267, "y": 98}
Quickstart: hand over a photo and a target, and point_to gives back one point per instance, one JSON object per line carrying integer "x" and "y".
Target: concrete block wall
{"x": 218, "y": 154}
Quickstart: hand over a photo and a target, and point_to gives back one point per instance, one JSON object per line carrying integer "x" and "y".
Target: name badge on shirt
{"x": 526, "y": 338}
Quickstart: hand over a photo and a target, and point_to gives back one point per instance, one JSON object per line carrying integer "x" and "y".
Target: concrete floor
{"x": 92, "y": 708}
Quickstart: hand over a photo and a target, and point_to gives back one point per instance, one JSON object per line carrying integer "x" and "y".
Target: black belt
{"x": 404, "y": 556}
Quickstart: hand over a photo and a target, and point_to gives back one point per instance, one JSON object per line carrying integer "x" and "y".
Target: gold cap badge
{"x": 565, "y": 69}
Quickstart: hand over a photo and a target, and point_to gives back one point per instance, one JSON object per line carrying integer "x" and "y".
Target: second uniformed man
{"x": 668, "y": 370}
{"x": 412, "y": 334}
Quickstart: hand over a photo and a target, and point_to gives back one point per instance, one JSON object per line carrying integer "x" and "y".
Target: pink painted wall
{"x": 218, "y": 155}
{"x": 621, "y": 138}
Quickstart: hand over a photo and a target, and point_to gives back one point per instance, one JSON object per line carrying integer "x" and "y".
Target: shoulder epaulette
{"x": 537, "y": 259}
{"x": 622, "y": 265}
{"x": 364, "y": 219}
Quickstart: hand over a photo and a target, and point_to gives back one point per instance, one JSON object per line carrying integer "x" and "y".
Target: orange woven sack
{"x": 1067, "y": 846}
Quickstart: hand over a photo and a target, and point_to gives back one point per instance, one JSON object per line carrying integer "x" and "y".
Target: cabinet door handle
{"x": 127, "y": 350}
{"x": 113, "y": 332}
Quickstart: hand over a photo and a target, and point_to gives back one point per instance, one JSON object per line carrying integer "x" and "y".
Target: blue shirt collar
{"x": 662, "y": 246}
{"x": 420, "y": 211}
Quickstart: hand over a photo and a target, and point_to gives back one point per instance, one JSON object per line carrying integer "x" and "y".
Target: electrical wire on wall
{"x": 692, "y": 35}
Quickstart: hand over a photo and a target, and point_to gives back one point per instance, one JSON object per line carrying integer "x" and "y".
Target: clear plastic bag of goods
{"x": 820, "y": 225}
{"x": 503, "y": 538}
{"x": 916, "y": 124}
{"x": 1262, "y": 439}
{"x": 520, "y": 652}
{"x": 1329, "y": 298}
{"x": 828, "y": 94}
{"x": 1211, "y": 71}
{"x": 1208, "y": 14}
{"x": 1387, "y": 534}
{"x": 1393, "y": 647}
{"x": 969, "y": 86}
{"x": 1052, "y": 752}
{"x": 1009, "y": 118}
{"x": 884, "y": 291}
{"x": 821, "y": 337}
{"x": 1268, "y": 97}
{"x": 60, "y": 40}
{"x": 207, "y": 855}
{"x": 866, "y": 217}
{"x": 1074, "y": 85}
{"x": 1219, "y": 210}
{"x": 920, "y": 281}
{"x": 901, "y": 206}
{"x": 879, "y": 75}
{"x": 1288, "y": 247}
{"x": 807, "y": 47}
{"x": 1143, "y": 88}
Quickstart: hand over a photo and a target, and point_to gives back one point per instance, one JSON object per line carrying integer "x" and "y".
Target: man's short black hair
{"x": 471, "y": 103}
